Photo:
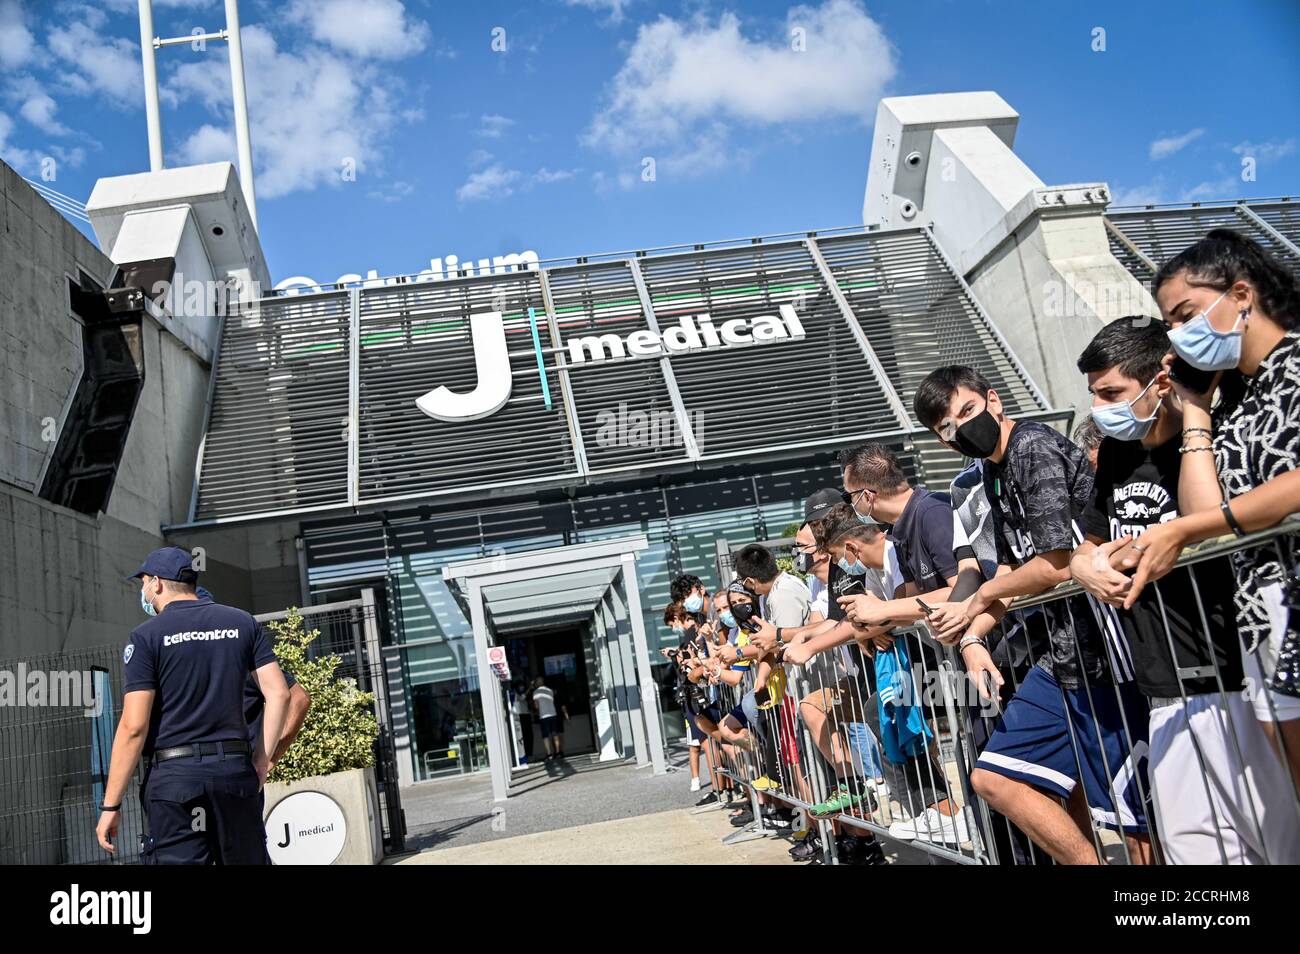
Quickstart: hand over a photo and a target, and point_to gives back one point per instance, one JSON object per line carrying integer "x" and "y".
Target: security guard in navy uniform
{"x": 185, "y": 671}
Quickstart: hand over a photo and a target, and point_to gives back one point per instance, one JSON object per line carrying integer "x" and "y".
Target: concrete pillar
{"x": 649, "y": 694}
{"x": 625, "y": 696}
{"x": 1036, "y": 256}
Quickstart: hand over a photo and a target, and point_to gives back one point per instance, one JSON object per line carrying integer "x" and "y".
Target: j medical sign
{"x": 690, "y": 335}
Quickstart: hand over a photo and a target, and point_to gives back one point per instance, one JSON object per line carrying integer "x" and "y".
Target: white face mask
{"x": 146, "y": 605}
{"x": 1200, "y": 345}
{"x": 1119, "y": 421}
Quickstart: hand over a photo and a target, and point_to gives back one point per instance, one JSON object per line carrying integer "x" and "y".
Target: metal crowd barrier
{"x": 56, "y": 735}
{"x": 933, "y": 774}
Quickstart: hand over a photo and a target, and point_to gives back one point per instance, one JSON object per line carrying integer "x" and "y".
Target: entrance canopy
{"x": 551, "y": 602}
{"x": 584, "y": 370}
{"x": 592, "y": 583}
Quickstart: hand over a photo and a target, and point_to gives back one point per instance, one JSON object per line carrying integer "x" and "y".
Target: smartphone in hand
{"x": 1194, "y": 379}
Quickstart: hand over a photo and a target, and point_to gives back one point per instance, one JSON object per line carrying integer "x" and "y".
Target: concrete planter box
{"x": 325, "y": 819}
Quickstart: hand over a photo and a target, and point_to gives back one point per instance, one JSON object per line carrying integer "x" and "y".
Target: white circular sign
{"x": 307, "y": 828}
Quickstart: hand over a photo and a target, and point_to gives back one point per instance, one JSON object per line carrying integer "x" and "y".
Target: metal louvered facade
{"x": 278, "y": 409}
{"x": 414, "y": 336}
{"x": 1143, "y": 239}
{"x": 313, "y": 403}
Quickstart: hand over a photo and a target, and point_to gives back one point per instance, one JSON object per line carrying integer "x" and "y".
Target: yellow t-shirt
{"x": 742, "y": 640}
{"x": 775, "y": 679}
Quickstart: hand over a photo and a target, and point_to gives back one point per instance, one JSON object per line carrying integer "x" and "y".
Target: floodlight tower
{"x": 239, "y": 96}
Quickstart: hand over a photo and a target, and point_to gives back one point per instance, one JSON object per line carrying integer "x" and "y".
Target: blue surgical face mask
{"x": 856, "y": 568}
{"x": 1197, "y": 343}
{"x": 728, "y": 620}
{"x": 147, "y": 606}
{"x": 1120, "y": 422}
{"x": 693, "y": 603}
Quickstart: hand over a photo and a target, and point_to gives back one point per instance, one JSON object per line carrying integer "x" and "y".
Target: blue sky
{"x": 463, "y": 148}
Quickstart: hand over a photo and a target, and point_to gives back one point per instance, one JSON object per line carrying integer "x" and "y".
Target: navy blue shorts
{"x": 738, "y": 714}
{"x": 551, "y": 727}
{"x": 203, "y": 811}
{"x": 712, "y": 714}
{"x": 1045, "y": 727}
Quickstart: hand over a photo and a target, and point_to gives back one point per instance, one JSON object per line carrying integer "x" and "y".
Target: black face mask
{"x": 979, "y": 436}
{"x": 802, "y": 561}
{"x": 743, "y": 612}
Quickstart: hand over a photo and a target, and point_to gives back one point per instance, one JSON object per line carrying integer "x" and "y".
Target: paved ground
{"x": 460, "y": 811}
{"x": 675, "y": 837}
{"x": 582, "y": 812}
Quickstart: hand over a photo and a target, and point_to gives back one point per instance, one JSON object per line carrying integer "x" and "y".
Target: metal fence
{"x": 56, "y": 735}
{"x": 58, "y": 718}
{"x": 904, "y": 770}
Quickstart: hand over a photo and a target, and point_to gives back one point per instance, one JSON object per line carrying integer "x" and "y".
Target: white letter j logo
{"x": 492, "y": 364}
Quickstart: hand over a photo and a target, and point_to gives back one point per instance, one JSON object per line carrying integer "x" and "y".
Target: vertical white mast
{"x": 152, "y": 115}
{"x": 240, "y": 99}
{"x": 238, "y": 93}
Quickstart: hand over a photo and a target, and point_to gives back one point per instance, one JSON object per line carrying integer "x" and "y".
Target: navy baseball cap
{"x": 169, "y": 563}
{"x": 819, "y": 504}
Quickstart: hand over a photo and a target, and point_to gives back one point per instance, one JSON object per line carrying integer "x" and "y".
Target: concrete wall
{"x": 1036, "y": 256}
{"x": 61, "y": 572}
{"x": 1050, "y": 287}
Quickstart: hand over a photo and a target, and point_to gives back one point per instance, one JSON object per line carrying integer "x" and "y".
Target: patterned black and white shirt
{"x": 1258, "y": 440}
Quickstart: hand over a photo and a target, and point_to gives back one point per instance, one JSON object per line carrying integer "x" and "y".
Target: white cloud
{"x": 1153, "y": 193}
{"x": 493, "y": 126}
{"x": 39, "y": 109}
{"x": 314, "y": 113}
{"x": 17, "y": 45}
{"x": 479, "y": 157}
{"x": 1229, "y": 187}
{"x": 131, "y": 6}
{"x": 371, "y": 29}
{"x": 497, "y": 182}
{"x": 613, "y": 8}
{"x": 1164, "y": 148}
{"x": 544, "y": 176}
{"x": 211, "y": 143}
{"x": 96, "y": 63}
{"x": 24, "y": 160}
{"x": 685, "y": 82}
{"x": 1265, "y": 151}
{"x": 392, "y": 191}
{"x": 494, "y": 182}
{"x": 69, "y": 157}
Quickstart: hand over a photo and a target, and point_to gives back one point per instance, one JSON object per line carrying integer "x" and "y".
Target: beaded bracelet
{"x": 1198, "y": 430}
{"x": 1192, "y": 450}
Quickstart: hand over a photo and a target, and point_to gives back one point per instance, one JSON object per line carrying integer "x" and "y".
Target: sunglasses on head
{"x": 850, "y": 497}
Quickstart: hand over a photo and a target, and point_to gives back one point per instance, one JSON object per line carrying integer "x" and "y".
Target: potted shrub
{"x": 322, "y": 803}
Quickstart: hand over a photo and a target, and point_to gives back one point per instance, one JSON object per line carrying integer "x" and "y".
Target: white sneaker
{"x": 695, "y": 785}
{"x": 905, "y": 830}
{"x": 932, "y": 826}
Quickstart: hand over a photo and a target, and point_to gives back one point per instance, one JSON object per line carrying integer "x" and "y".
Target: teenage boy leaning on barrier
{"x": 1077, "y": 716}
{"x": 1183, "y": 629}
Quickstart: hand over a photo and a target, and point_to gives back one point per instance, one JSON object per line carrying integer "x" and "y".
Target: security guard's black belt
{"x": 232, "y": 747}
